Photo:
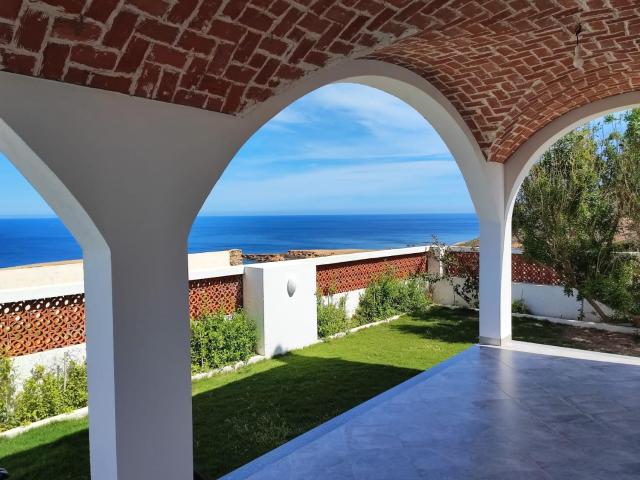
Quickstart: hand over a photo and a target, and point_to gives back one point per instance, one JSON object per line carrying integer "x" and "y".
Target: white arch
{"x": 517, "y": 166}
{"x": 484, "y": 180}
{"x": 52, "y": 190}
{"x": 420, "y": 95}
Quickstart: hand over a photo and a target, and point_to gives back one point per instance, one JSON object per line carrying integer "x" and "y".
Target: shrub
{"x": 518, "y": 306}
{"x": 51, "y": 392}
{"x": 7, "y": 393}
{"x": 332, "y": 316}
{"x": 218, "y": 340}
{"x": 388, "y": 295}
{"x": 74, "y": 388}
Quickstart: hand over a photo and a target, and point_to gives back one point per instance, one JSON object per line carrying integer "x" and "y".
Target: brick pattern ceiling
{"x": 505, "y": 64}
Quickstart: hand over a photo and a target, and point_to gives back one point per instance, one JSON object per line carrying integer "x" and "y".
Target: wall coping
{"x": 50, "y": 291}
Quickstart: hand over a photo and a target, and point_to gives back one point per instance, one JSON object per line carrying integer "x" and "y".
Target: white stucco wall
{"x": 71, "y": 272}
{"x": 542, "y": 300}
{"x": 23, "y": 365}
{"x": 286, "y": 317}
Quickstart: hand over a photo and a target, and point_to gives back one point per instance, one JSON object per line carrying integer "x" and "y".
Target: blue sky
{"x": 342, "y": 149}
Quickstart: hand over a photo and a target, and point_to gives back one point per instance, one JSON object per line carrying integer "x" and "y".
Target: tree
{"x": 572, "y": 208}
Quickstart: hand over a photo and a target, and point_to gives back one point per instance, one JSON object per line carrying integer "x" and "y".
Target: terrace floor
{"x": 487, "y": 413}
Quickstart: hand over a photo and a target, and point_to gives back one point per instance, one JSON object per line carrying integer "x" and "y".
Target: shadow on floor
{"x": 241, "y": 420}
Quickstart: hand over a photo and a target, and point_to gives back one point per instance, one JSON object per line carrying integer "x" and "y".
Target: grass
{"x": 241, "y": 415}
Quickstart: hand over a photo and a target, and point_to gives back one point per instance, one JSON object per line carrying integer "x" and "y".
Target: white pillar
{"x": 281, "y": 298}
{"x": 138, "y": 360}
{"x": 495, "y": 267}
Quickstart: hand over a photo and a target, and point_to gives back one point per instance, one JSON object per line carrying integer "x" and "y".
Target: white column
{"x": 138, "y": 360}
{"x": 280, "y": 298}
{"x": 495, "y": 267}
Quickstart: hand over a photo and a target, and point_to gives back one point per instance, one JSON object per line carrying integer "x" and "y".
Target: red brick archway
{"x": 506, "y": 65}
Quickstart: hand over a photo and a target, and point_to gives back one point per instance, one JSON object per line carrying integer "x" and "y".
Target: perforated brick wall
{"x": 42, "y": 324}
{"x": 521, "y": 271}
{"x": 211, "y": 295}
{"x": 345, "y": 277}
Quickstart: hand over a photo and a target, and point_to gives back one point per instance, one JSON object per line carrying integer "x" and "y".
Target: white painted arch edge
{"x": 479, "y": 175}
{"x": 517, "y": 166}
{"x": 51, "y": 188}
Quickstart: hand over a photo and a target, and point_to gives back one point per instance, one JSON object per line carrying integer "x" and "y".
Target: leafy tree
{"x": 575, "y": 203}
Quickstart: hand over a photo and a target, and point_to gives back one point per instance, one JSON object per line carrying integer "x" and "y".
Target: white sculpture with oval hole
{"x": 281, "y": 298}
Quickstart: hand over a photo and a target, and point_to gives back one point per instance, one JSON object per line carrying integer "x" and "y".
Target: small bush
{"x": 218, "y": 340}
{"x": 41, "y": 396}
{"x": 7, "y": 393}
{"x": 387, "y": 296}
{"x": 332, "y": 316}
{"x": 74, "y": 388}
{"x": 518, "y": 306}
{"x": 51, "y": 392}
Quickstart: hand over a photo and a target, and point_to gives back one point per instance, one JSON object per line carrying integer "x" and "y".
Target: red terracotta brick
{"x": 226, "y": 30}
{"x": 221, "y": 57}
{"x": 240, "y": 74}
{"x": 148, "y": 80}
{"x": 162, "y": 32}
{"x": 67, "y": 6}
{"x": 17, "y": 63}
{"x": 190, "y": 99}
{"x": 194, "y": 73}
{"x": 234, "y": 99}
{"x": 81, "y": 31}
{"x": 205, "y": 15}
{"x": 167, "y": 56}
{"x": 181, "y": 11}
{"x": 505, "y": 65}
{"x": 77, "y": 76}
{"x": 246, "y": 47}
{"x": 121, "y": 29}
{"x": 153, "y": 7}
{"x": 196, "y": 43}
{"x": 54, "y": 60}
{"x": 32, "y": 30}
{"x": 167, "y": 86}
{"x": 215, "y": 86}
{"x": 273, "y": 45}
{"x": 101, "y": 10}
{"x": 133, "y": 56}
{"x": 304, "y": 46}
{"x": 10, "y": 9}
{"x": 6, "y": 33}
{"x": 91, "y": 57}
{"x": 267, "y": 71}
{"x": 255, "y": 19}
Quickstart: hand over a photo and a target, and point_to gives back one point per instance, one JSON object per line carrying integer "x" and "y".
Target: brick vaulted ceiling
{"x": 506, "y": 65}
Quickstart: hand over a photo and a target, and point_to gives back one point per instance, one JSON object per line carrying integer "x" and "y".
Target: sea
{"x": 25, "y": 241}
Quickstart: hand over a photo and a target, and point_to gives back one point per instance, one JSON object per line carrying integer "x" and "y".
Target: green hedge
{"x": 44, "y": 394}
{"x": 218, "y": 340}
{"x": 384, "y": 297}
{"x": 387, "y": 296}
{"x": 332, "y": 316}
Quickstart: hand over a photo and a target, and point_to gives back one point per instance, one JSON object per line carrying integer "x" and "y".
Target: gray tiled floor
{"x": 486, "y": 414}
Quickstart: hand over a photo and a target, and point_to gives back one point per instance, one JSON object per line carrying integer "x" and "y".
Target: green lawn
{"x": 241, "y": 415}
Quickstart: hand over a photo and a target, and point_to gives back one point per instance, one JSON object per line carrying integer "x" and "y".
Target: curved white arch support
{"x": 126, "y": 176}
{"x": 484, "y": 180}
{"x": 133, "y": 175}
{"x": 519, "y": 164}
{"x": 495, "y": 243}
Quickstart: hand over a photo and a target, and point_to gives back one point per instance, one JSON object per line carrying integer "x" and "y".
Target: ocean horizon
{"x": 29, "y": 240}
